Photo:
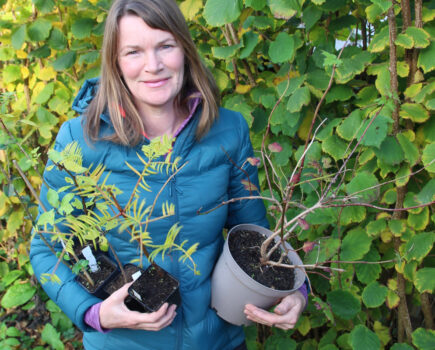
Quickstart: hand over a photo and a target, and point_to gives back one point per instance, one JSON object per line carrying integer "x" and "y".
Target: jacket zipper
{"x": 173, "y": 193}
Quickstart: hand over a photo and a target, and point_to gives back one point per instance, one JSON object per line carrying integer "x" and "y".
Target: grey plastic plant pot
{"x": 232, "y": 288}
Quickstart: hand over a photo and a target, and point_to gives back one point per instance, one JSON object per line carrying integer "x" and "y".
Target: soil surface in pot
{"x": 118, "y": 281}
{"x": 100, "y": 276}
{"x": 245, "y": 246}
{"x": 155, "y": 286}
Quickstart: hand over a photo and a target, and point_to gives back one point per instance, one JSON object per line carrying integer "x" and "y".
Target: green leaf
{"x": 360, "y": 187}
{"x": 53, "y": 198}
{"x": 46, "y": 218}
{"x": 419, "y": 36}
{"x": 352, "y": 214}
{"x": 382, "y": 82}
{"x": 426, "y": 58}
{"x": 256, "y": 4}
{"x": 11, "y": 277}
{"x": 300, "y": 98}
{"x": 424, "y": 280}
{"x": 348, "y": 128}
{"x": 344, "y": 304}
{"x": 409, "y": 149}
{"x": 413, "y": 90}
{"x": 425, "y": 91}
{"x": 419, "y": 246}
{"x": 57, "y": 40}
{"x": 414, "y": 111}
{"x": 89, "y": 57}
{"x": 6, "y": 54}
{"x": 405, "y": 41}
{"x": 250, "y": 41}
{"x": 367, "y": 273}
{"x": 284, "y": 9}
{"x": 225, "y": 52}
{"x": 390, "y": 151}
{"x": 18, "y": 37}
{"x": 419, "y": 221}
{"x": 52, "y": 337}
{"x": 282, "y": 48}
{"x": 424, "y": 339}
{"x": 311, "y": 16}
{"x": 190, "y": 8}
{"x": 220, "y": 12}
{"x": 45, "y": 117}
{"x": 65, "y": 61}
{"x": 335, "y": 147}
{"x": 11, "y": 73}
{"x": 238, "y": 103}
{"x": 44, "y": 6}
{"x": 355, "y": 245}
{"x": 373, "y": 12}
{"x": 427, "y": 194}
{"x": 362, "y": 338}
{"x": 328, "y": 248}
{"x": 339, "y": 93}
{"x": 374, "y": 295}
{"x": 42, "y": 52}
{"x": 82, "y": 28}
{"x": 401, "y": 346}
{"x": 428, "y": 157}
{"x": 17, "y": 294}
{"x": 380, "y": 41}
{"x": 383, "y": 4}
{"x": 45, "y": 94}
{"x": 39, "y": 30}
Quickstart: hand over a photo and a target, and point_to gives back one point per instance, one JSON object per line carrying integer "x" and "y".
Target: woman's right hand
{"x": 115, "y": 314}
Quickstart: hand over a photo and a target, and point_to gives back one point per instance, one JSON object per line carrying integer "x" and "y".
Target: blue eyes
{"x": 162, "y": 47}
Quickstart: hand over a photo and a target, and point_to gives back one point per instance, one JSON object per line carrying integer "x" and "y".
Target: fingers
{"x": 285, "y": 315}
{"x": 115, "y": 314}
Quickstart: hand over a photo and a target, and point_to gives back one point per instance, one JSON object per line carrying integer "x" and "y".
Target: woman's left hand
{"x": 284, "y": 316}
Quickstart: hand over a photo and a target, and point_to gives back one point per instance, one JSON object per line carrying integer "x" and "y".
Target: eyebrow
{"x": 138, "y": 46}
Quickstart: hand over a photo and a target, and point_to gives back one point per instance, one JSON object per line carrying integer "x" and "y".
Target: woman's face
{"x": 151, "y": 63}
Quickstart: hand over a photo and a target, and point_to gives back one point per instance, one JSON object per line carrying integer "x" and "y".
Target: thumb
{"x": 283, "y": 307}
{"x": 122, "y": 292}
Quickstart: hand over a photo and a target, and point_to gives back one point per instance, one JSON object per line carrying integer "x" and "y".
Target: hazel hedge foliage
{"x": 273, "y": 61}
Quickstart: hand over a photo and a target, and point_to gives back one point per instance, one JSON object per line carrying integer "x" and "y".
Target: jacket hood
{"x": 85, "y": 95}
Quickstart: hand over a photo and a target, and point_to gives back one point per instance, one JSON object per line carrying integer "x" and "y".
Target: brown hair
{"x": 113, "y": 93}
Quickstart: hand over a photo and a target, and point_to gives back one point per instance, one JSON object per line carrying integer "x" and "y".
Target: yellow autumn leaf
{"x": 382, "y": 332}
{"x": 305, "y": 126}
{"x": 21, "y": 54}
{"x": 47, "y": 73}
{"x": 37, "y": 89}
{"x": 243, "y": 89}
{"x": 386, "y": 236}
{"x": 392, "y": 284}
{"x": 25, "y": 72}
{"x": 392, "y": 299}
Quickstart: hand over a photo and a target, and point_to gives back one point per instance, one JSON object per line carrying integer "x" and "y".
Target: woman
{"x": 153, "y": 83}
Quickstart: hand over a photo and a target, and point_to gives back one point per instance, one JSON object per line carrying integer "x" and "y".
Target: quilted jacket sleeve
{"x": 67, "y": 294}
{"x": 250, "y": 211}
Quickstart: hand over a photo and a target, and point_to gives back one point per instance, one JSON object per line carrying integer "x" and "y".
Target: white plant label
{"x": 136, "y": 275}
{"x": 87, "y": 252}
{"x": 136, "y": 294}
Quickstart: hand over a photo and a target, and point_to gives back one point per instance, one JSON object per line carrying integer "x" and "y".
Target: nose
{"x": 153, "y": 62}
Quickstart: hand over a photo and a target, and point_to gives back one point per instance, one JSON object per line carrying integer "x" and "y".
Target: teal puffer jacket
{"x": 208, "y": 178}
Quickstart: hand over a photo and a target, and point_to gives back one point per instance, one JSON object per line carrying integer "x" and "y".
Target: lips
{"x": 155, "y": 82}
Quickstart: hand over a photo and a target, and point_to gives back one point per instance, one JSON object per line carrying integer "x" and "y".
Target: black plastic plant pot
{"x": 107, "y": 271}
{"x": 131, "y": 272}
{"x": 154, "y": 288}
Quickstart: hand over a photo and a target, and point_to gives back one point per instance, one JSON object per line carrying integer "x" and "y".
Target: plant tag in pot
{"x": 136, "y": 275}
{"x": 89, "y": 256}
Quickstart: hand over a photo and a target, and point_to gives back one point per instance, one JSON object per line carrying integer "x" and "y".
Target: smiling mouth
{"x": 156, "y": 82}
